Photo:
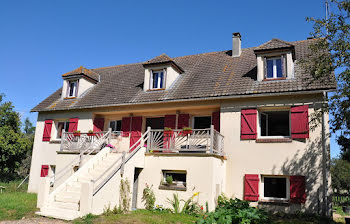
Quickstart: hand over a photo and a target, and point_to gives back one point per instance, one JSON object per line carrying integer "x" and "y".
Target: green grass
{"x": 16, "y": 203}
{"x": 138, "y": 217}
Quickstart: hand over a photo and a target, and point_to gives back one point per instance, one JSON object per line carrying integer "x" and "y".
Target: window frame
{"x": 161, "y": 87}
{"x": 193, "y": 119}
{"x": 260, "y": 111}
{"x": 66, "y": 125}
{"x": 262, "y": 188}
{"x": 165, "y": 172}
{"x": 109, "y": 125}
{"x": 274, "y": 68}
{"x": 75, "y": 93}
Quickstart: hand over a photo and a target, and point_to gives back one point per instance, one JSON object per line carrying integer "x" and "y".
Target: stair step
{"x": 66, "y": 205}
{"x": 68, "y": 197}
{"x": 59, "y": 213}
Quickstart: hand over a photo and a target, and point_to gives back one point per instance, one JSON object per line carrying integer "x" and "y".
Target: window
{"x": 201, "y": 122}
{"x": 179, "y": 177}
{"x": 64, "y": 125}
{"x": 72, "y": 88}
{"x": 274, "y": 123}
{"x": 275, "y": 187}
{"x": 274, "y": 68}
{"x": 115, "y": 125}
{"x": 157, "y": 80}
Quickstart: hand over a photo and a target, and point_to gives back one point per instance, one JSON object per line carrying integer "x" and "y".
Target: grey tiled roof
{"x": 274, "y": 44}
{"x": 83, "y": 71}
{"x": 207, "y": 75}
{"x": 159, "y": 59}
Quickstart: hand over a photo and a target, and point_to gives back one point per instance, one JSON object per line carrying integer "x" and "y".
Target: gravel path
{"x": 35, "y": 220}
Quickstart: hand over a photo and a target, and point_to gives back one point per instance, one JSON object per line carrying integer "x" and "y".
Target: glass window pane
{"x": 112, "y": 125}
{"x": 161, "y": 76}
{"x": 119, "y": 125}
{"x": 202, "y": 122}
{"x": 275, "y": 187}
{"x": 155, "y": 79}
{"x": 279, "y": 68}
{"x": 269, "y": 68}
{"x": 66, "y": 126}
{"x": 60, "y": 127}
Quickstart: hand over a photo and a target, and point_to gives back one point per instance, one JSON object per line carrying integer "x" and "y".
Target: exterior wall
{"x": 205, "y": 175}
{"x": 293, "y": 158}
{"x": 44, "y": 153}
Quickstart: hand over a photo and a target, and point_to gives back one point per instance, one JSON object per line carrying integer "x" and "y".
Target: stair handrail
{"x": 138, "y": 144}
{"x": 102, "y": 140}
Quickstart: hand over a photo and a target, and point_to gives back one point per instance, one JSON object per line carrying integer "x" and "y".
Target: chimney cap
{"x": 236, "y": 34}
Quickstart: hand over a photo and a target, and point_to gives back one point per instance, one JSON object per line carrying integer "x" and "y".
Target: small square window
{"x": 275, "y": 187}
{"x": 64, "y": 125}
{"x": 178, "y": 177}
{"x": 201, "y": 122}
{"x": 72, "y": 88}
{"x": 157, "y": 80}
{"x": 274, "y": 68}
{"x": 115, "y": 125}
{"x": 275, "y": 123}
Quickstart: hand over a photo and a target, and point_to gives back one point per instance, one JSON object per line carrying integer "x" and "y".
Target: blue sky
{"x": 41, "y": 40}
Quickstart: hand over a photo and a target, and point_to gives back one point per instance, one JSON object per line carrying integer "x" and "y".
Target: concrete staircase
{"x": 64, "y": 201}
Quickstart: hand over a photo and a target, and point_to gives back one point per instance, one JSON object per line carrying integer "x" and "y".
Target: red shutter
{"x": 300, "y": 121}
{"x": 44, "y": 170}
{"x": 215, "y": 118}
{"x": 248, "y": 123}
{"x": 47, "y": 131}
{"x": 99, "y": 124}
{"x": 136, "y": 128}
{"x": 251, "y": 187}
{"x": 73, "y": 124}
{"x": 183, "y": 121}
{"x": 297, "y": 189}
{"x": 170, "y": 121}
{"x": 126, "y": 122}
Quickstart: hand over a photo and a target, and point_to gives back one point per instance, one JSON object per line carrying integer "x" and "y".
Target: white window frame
{"x": 56, "y": 127}
{"x": 193, "y": 118}
{"x": 274, "y": 68}
{"x": 109, "y": 124}
{"x": 165, "y": 172}
{"x": 277, "y": 136}
{"x": 75, "y": 90}
{"x": 159, "y": 79}
{"x": 262, "y": 187}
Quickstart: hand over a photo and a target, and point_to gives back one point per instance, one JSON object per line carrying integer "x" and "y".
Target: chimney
{"x": 236, "y": 45}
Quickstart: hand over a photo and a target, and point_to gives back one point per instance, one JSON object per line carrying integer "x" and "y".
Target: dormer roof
{"x": 274, "y": 44}
{"x": 82, "y": 71}
{"x": 162, "y": 59}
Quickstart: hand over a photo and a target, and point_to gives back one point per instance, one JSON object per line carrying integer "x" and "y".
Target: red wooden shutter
{"x": 215, "y": 118}
{"x": 297, "y": 189}
{"x": 183, "y": 121}
{"x": 73, "y": 124}
{"x": 170, "y": 121}
{"x": 300, "y": 121}
{"x": 126, "y": 124}
{"x": 44, "y": 170}
{"x": 136, "y": 128}
{"x": 99, "y": 124}
{"x": 251, "y": 187}
{"x": 248, "y": 123}
{"x": 47, "y": 131}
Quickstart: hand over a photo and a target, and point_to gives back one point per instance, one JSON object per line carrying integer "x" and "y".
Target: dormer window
{"x": 72, "y": 88}
{"x": 274, "y": 68}
{"x": 157, "y": 81}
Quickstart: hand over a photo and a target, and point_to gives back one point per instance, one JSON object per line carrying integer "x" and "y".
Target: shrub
{"x": 148, "y": 197}
{"x": 175, "y": 203}
{"x": 169, "y": 179}
{"x": 124, "y": 200}
{"x": 234, "y": 211}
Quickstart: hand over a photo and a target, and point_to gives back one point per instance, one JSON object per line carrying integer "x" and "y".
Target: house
{"x": 239, "y": 122}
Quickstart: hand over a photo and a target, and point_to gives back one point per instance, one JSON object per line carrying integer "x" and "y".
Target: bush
{"x": 340, "y": 172}
{"x": 234, "y": 211}
{"x": 148, "y": 197}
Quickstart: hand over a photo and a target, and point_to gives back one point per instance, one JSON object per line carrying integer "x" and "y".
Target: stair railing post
{"x": 211, "y": 138}
{"x": 63, "y": 137}
{"x": 149, "y": 139}
{"x": 86, "y": 196}
{"x": 109, "y": 136}
{"x": 123, "y": 163}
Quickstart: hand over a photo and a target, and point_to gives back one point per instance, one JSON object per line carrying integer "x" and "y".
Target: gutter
{"x": 196, "y": 99}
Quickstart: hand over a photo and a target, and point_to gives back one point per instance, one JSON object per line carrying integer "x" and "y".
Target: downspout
{"x": 325, "y": 206}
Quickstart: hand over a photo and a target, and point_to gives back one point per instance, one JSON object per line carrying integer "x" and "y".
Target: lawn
{"x": 16, "y": 203}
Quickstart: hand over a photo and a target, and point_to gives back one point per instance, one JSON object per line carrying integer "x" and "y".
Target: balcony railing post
{"x": 109, "y": 136}
{"x": 63, "y": 137}
{"x": 149, "y": 138}
{"x": 211, "y": 138}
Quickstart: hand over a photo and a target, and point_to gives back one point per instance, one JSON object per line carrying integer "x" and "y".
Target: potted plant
{"x": 168, "y": 132}
{"x": 91, "y": 133}
{"x": 186, "y": 131}
{"x": 169, "y": 180}
{"x": 76, "y": 133}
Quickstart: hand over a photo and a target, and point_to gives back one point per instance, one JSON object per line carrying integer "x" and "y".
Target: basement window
{"x": 275, "y": 187}
{"x": 178, "y": 179}
{"x": 275, "y": 124}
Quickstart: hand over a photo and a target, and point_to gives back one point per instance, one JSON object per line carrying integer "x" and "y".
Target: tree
{"x": 331, "y": 53}
{"x": 340, "y": 170}
{"x": 13, "y": 143}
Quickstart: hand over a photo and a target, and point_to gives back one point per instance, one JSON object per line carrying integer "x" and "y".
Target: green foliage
{"x": 15, "y": 205}
{"x": 234, "y": 211}
{"x": 14, "y": 145}
{"x": 331, "y": 53}
{"x": 169, "y": 179}
{"x": 124, "y": 197}
{"x": 148, "y": 197}
{"x": 340, "y": 172}
{"x": 175, "y": 203}
{"x": 115, "y": 210}
{"x": 192, "y": 207}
